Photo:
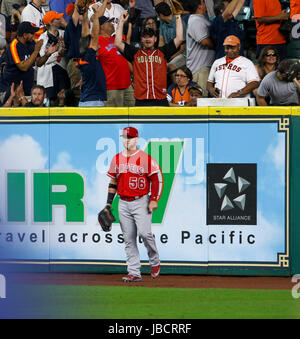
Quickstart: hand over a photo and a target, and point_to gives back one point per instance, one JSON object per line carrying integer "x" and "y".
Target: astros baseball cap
{"x": 231, "y": 40}
{"x": 26, "y": 27}
{"x": 103, "y": 19}
{"x": 50, "y": 16}
{"x": 130, "y": 132}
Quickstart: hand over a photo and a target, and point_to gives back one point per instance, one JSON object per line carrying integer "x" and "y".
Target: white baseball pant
{"x": 135, "y": 220}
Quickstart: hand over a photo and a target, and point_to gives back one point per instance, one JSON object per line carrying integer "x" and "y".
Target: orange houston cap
{"x": 50, "y": 16}
{"x": 130, "y": 132}
{"x": 231, "y": 40}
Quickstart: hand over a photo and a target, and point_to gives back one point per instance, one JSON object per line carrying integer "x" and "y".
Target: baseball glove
{"x": 106, "y": 218}
{"x": 294, "y": 72}
{"x": 83, "y": 6}
{"x": 176, "y": 6}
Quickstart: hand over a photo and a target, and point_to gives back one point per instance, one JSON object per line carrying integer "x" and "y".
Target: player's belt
{"x": 131, "y": 198}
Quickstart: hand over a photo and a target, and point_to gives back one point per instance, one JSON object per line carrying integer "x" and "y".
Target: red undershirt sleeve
{"x": 154, "y": 186}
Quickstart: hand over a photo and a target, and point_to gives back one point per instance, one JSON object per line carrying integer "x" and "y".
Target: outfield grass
{"x": 131, "y": 302}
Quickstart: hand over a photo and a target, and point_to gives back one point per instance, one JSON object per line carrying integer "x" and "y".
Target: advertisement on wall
{"x": 223, "y": 191}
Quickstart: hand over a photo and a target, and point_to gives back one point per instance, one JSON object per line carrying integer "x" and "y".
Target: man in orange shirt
{"x": 268, "y": 15}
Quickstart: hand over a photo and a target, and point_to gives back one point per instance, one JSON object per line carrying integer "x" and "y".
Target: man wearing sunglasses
{"x": 277, "y": 86}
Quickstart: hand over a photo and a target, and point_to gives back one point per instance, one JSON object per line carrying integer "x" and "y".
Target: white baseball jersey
{"x": 32, "y": 14}
{"x": 232, "y": 76}
{"x": 113, "y": 13}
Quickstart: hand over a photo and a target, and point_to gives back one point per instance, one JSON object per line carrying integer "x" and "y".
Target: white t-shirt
{"x": 233, "y": 76}
{"x": 34, "y": 15}
{"x": 114, "y": 12}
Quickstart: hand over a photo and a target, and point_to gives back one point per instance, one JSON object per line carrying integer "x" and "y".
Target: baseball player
{"x": 232, "y": 76}
{"x": 133, "y": 174}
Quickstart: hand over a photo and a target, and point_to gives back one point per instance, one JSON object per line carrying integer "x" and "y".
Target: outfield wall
{"x": 229, "y": 187}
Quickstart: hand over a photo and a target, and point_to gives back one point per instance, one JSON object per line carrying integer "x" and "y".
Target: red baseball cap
{"x": 130, "y": 132}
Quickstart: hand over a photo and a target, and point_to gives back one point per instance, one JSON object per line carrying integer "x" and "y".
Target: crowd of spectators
{"x": 141, "y": 53}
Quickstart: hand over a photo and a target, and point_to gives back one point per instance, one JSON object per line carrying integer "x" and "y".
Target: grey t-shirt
{"x": 146, "y": 7}
{"x": 198, "y": 55}
{"x": 282, "y": 93}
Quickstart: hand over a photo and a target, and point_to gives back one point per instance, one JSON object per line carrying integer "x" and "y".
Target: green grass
{"x": 131, "y": 302}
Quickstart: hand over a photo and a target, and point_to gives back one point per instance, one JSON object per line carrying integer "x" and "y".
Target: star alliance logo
{"x": 239, "y": 201}
{"x": 231, "y": 194}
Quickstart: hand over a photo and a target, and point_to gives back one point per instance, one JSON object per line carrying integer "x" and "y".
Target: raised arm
{"x": 233, "y": 9}
{"x": 179, "y": 31}
{"x": 119, "y": 33}
{"x": 76, "y": 16}
{"x": 98, "y": 12}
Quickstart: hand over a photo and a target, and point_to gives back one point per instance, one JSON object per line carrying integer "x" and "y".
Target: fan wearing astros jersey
{"x": 34, "y": 13}
{"x": 22, "y": 54}
{"x": 93, "y": 88}
{"x": 149, "y": 63}
{"x": 133, "y": 175}
{"x": 232, "y": 76}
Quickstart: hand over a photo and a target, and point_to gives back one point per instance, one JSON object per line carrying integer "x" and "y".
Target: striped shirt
{"x": 150, "y": 70}
{"x": 230, "y": 77}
